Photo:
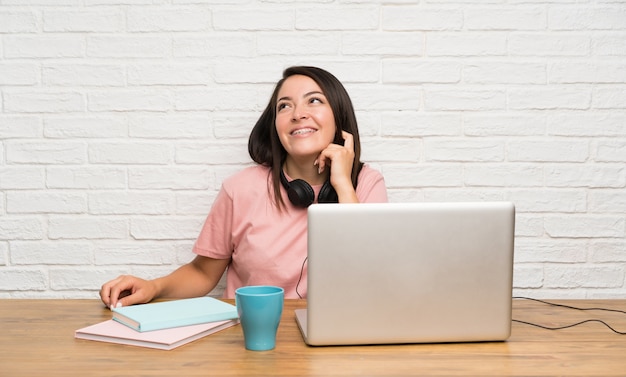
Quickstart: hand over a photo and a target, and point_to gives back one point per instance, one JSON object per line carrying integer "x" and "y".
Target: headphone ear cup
{"x": 300, "y": 193}
{"x": 327, "y": 194}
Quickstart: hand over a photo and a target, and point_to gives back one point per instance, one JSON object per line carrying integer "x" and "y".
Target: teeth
{"x": 303, "y": 131}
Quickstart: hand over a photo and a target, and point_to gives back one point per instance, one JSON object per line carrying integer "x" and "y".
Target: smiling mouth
{"x": 303, "y": 131}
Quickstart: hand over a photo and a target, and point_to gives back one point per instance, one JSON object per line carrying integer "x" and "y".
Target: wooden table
{"x": 37, "y": 339}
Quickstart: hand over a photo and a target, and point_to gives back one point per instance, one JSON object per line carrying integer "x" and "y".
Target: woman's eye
{"x": 315, "y": 100}
{"x": 281, "y": 106}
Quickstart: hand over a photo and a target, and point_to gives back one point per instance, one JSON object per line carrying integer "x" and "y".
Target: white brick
{"x": 254, "y": 19}
{"x": 550, "y": 250}
{"x": 577, "y": 175}
{"x": 500, "y": 72}
{"x": 222, "y": 153}
{"x": 166, "y": 228}
{"x": 4, "y": 249}
{"x": 235, "y": 125}
{"x": 601, "y": 251}
{"x": 464, "y": 98}
{"x": 574, "y": 72}
{"x": 19, "y": 74}
{"x": 169, "y": 74}
{"x": 305, "y": 43}
{"x": 404, "y": 150}
{"x": 556, "y": 150}
{"x": 20, "y": 228}
{"x": 461, "y": 194}
{"x": 412, "y": 18}
{"x": 133, "y": 253}
{"x": 247, "y": 71}
{"x": 214, "y": 45}
{"x": 611, "y": 97}
{"x": 424, "y": 175}
{"x": 18, "y": 21}
{"x": 130, "y": 203}
{"x": 130, "y": 153}
{"x": 86, "y": 178}
{"x": 51, "y": 253}
{"x": 607, "y": 201}
{"x": 504, "y": 124}
{"x": 611, "y": 151}
{"x": 84, "y": 227}
{"x": 194, "y": 203}
{"x": 483, "y": 150}
{"x": 81, "y": 126}
{"x": 573, "y": 276}
{"x": 415, "y": 123}
{"x": 499, "y": 175}
{"x": 113, "y": 46}
{"x": 44, "y": 46}
{"x": 227, "y": 99}
{"x": 510, "y": 18}
{"x": 585, "y": 226}
{"x": 587, "y": 124}
{"x": 386, "y": 97}
{"x": 47, "y": 101}
{"x": 528, "y": 226}
{"x": 527, "y": 44}
{"x": 101, "y": 20}
{"x": 466, "y": 44}
{"x": 42, "y": 2}
{"x": 20, "y": 126}
{"x": 22, "y": 178}
{"x": 130, "y": 100}
{"x": 586, "y": 18}
{"x": 549, "y": 200}
{"x": 61, "y": 152}
{"x": 192, "y": 126}
{"x": 338, "y": 18}
{"x": 78, "y": 278}
{"x": 84, "y": 75}
{"x": 36, "y": 202}
{"x": 183, "y": 178}
{"x": 19, "y": 279}
{"x": 525, "y": 276}
{"x": 421, "y": 71}
{"x": 549, "y": 98}
{"x": 397, "y": 44}
{"x": 145, "y": 19}
{"x": 608, "y": 44}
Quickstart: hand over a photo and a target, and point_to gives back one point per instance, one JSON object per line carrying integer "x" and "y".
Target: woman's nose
{"x": 298, "y": 113}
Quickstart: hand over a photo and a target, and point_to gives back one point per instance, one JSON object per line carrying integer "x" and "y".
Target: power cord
{"x": 300, "y": 278}
{"x": 570, "y": 307}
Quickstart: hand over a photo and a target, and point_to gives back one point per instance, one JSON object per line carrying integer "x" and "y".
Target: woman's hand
{"x": 127, "y": 290}
{"x": 341, "y": 158}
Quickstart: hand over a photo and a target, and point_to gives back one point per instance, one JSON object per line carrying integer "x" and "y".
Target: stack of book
{"x": 163, "y": 325}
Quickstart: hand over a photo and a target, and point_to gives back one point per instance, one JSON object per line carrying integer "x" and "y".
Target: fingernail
{"x": 118, "y": 305}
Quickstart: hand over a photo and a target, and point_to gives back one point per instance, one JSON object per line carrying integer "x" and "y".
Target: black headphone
{"x": 301, "y": 194}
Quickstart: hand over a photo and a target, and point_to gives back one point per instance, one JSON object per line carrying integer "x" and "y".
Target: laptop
{"x": 392, "y": 273}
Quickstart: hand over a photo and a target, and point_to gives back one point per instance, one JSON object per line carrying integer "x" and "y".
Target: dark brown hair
{"x": 264, "y": 145}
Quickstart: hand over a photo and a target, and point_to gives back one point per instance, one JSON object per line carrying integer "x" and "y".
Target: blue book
{"x": 176, "y": 313}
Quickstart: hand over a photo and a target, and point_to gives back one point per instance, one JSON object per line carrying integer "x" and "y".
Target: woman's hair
{"x": 264, "y": 145}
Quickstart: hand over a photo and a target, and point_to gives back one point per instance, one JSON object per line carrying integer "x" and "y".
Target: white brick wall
{"x": 119, "y": 120}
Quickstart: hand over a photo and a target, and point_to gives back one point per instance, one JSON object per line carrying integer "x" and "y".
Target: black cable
{"x": 300, "y": 278}
{"x": 573, "y": 324}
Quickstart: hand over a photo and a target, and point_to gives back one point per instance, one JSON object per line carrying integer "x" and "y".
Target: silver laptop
{"x": 408, "y": 273}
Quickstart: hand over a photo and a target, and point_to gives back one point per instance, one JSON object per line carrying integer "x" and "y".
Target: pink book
{"x": 114, "y": 332}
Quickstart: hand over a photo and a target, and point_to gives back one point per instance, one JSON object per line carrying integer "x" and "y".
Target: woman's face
{"x": 304, "y": 119}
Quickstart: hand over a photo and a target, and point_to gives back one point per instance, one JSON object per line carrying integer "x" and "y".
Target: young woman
{"x": 307, "y": 147}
